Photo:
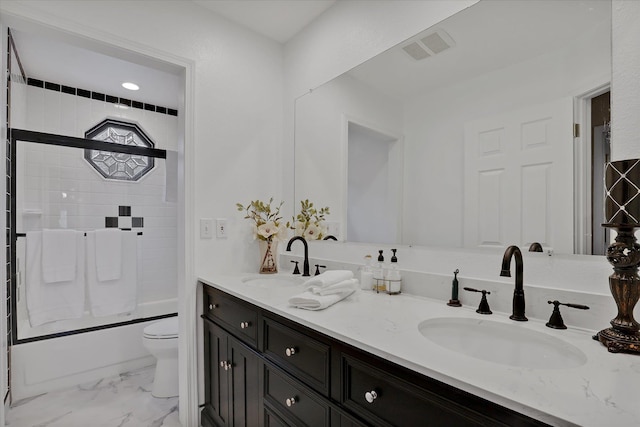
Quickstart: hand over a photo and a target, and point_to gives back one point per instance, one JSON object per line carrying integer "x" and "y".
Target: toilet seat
{"x": 162, "y": 330}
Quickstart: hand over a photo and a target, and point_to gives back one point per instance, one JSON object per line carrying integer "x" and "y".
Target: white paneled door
{"x": 519, "y": 178}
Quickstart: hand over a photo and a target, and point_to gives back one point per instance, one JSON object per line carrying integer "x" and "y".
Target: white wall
{"x": 625, "y": 91}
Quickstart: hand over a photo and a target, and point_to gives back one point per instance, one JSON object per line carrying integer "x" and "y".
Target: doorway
{"x": 601, "y": 153}
{"x": 374, "y": 185}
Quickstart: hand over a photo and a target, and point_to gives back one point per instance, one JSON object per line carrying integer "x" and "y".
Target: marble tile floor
{"x": 121, "y": 401}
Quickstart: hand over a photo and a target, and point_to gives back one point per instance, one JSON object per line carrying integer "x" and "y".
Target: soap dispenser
{"x": 394, "y": 278}
{"x": 378, "y": 274}
{"x": 366, "y": 274}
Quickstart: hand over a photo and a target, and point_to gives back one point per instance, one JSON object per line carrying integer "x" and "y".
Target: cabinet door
{"x": 216, "y": 392}
{"x": 244, "y": 387}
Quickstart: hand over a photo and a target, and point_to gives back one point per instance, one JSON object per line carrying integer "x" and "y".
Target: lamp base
{"x": 619, "y": 342}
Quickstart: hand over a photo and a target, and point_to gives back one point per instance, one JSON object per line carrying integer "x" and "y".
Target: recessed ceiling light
{"x": 130, "y": 86}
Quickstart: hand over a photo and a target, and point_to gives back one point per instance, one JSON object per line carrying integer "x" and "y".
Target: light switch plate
{"x": 206, "y": 228}
{"x": 221, "y": 228}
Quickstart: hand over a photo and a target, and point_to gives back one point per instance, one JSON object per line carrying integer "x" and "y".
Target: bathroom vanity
{"x": 263, "y": 369}
{"x": 364, "y": 361}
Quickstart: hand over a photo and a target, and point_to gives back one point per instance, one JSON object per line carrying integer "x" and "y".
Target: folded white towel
{"x": 337, "y": 288}
{"x": 58, "y": 255}
{"x": 108, "y": 243}
{"x": 119, "y": 295}
{"x": 310, "y": 301}
{"x": 49, "y": 302}
{"x": 328, "y": 278}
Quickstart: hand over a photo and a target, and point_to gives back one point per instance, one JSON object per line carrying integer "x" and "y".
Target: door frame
{"x": 583, "y": 181}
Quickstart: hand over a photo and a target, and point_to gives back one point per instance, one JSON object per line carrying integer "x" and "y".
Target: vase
{"x": 268, "y": 256}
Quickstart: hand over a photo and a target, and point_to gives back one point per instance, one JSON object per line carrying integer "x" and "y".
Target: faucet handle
{"x": 556, "y": 321}
{"x": 296, "y": 270}
{"x": 318, "y": 266}
{"x": 483, "y": 308}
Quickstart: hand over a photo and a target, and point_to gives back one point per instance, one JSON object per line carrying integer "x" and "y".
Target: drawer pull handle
{"x": 290, "y": 351}
{"x": 244, "y": 325}
{"x": 370, "y": 396}
{"x": 291, "y": 401}
{"x": 212, "y": 306}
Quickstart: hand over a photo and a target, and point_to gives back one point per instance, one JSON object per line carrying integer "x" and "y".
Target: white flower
{"x": 313, "y": 232}
{"x": 267, "y": 229}
{"x": 299, "y": 229}
{"x": 281, "y": 234}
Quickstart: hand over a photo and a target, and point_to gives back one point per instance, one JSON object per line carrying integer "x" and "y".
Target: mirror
{"x": 462, "y": 136}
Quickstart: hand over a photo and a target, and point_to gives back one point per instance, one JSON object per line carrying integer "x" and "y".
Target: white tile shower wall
{"x": 58, "y": 188}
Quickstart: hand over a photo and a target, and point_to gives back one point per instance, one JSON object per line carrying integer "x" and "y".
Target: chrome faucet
{"x": 518, "y": 292}
{"x": 305, "y": 265}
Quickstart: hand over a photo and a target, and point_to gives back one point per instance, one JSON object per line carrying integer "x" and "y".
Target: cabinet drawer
{"x": 240, "y": 319}
{"x": 301, "y": 355}
{"x": 386, "y": 400}
{"x": 294, "y": 400}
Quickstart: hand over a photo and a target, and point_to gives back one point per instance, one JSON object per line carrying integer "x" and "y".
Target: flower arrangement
{"x": 268, "y": 224}
{"x": 309, "y": 223}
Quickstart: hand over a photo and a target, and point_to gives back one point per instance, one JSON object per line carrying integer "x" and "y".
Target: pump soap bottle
{"x": 378, "y": 274}
{"x": 366, "y": 274}
{"x": 394, "y": 278}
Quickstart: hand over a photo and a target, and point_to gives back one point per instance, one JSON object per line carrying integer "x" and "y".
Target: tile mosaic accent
{"x": 622, "y": 196}
{"x": 119, "y": 166}
{"x": 111, "y": 222}
{"x": 100, "y": 96}
{"x": 124, "y": 220}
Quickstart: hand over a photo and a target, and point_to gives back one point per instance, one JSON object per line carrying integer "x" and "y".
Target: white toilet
{"x": 161, "y": 339}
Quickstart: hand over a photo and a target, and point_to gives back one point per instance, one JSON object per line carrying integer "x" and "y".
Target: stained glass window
{"x": 119, "y": 166}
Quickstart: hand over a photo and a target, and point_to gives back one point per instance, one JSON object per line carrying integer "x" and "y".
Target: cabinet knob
{"x": 290, "y": 351}
{"x": 244, "y": 325}
{"x": 291, "y": 401}
{"x": 370, "y": 396}
{"x": 212, "y": 306}
{"x": 225, "y": 365}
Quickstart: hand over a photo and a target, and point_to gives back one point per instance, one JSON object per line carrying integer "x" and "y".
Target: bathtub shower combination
{"x": 94, "y": 240}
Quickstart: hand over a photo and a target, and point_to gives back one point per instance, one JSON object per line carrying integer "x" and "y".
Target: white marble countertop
{"x": 604, "y": 391}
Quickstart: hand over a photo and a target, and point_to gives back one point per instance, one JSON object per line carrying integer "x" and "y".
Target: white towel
{"x": 59, "y": 255}
{"x": 328, "y": 278}
{"x": 113, "y": 296}
{"x": 48, "y": 302}
{"x": 310, "y": 301}
{"x": 337, "y": 288}
{"x": 108, "y": 253}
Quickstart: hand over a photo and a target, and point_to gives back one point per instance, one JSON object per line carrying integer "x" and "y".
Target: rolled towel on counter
{"x": 310, "y": 301}
{"x": 329, "y": 278}
{"x": 345, "y": 285}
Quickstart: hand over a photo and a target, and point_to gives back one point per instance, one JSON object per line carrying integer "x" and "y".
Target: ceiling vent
{"x": 429, "y": 45}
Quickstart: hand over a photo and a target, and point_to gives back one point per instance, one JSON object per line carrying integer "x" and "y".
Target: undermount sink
{"x": 506, "y": 344}
{"x": 273, "y": 280}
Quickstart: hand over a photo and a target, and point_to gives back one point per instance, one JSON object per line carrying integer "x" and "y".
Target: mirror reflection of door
{"x": 600, "y": 135}
{"x": 374, "y": 185}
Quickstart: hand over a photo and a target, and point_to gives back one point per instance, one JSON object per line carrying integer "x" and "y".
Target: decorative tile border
{"x": 100, "y": 97}
{"x": 124, "y": 220}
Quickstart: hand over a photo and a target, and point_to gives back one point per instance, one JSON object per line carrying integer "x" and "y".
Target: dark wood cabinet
{"x": 232, "y": 389}
{"x": 264, "y": 370}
